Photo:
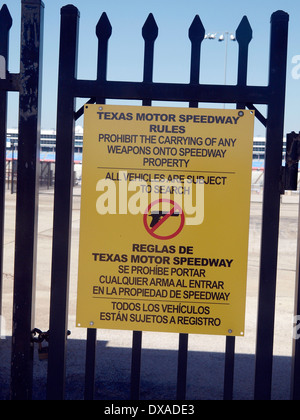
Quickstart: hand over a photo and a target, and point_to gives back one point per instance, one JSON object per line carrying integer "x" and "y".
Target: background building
{"x": 48, "y": 149}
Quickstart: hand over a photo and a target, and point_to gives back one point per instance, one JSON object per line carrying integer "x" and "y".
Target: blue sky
{"x": 172, "y": 47}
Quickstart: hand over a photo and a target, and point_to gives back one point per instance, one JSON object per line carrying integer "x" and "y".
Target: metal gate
{"x": 27, "y": 83}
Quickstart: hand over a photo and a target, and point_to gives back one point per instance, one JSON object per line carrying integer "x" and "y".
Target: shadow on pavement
{"x": 158, "y": 374}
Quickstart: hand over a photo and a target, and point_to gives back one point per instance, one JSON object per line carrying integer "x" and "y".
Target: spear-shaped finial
{"x": 150, "y": 29}
{"x": 244, "y": 32}
{"x": 243, "y": 36}
{"x": 103, "y": 28}
{"x": 103, "y": 32}
{"x": 196, "y": 35}
{"x": 150, "y": 33}
{"x": 5, "y": 17}
{"x": 196, "y": 31}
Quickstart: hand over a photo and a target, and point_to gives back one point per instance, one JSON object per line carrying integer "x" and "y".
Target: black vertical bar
{"x": 90, "y": 363}
{"x": 5, "y": 25}
{"x": 149, "y": 33}
{"x": 295, "y": 374}
{"x": 182, "y": 366}
{"x": 136, "y": 358}
{"x": 229, "y": 368}
{"x": 243, "y": 37}
{"x": 271, "y": 206}
{"x": 103, "y": 32}
{"x": 27, "y": 198}
{"x": 196, "y": 36}
{"x": 62, "y": 203}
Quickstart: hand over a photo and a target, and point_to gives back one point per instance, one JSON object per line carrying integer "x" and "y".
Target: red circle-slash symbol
{"x": 159, "y": 218}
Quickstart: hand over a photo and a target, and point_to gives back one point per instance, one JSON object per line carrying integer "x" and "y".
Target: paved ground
{"x": 159, "y": 358}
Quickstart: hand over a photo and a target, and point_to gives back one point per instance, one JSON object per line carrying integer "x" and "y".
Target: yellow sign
{"x": 165, "y": 219}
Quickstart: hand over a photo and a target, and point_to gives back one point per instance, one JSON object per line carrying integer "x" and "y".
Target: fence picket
{"x": 103, "y": 33}
{"x": 5, "y": 25}
{"x": 149, "y": 33}
{"x": 243, "y": 36}
{"x": 99, "y": 91}
{"x": 27, "y": 199}
{"x": 62, "y": 221}
{"x": 271, "y": 206}
{"x": 196, "y": 35}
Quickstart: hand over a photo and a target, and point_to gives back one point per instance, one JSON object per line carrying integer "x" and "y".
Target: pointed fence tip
{"x": 244, "y": 31}
{"x": 5, "y": 16}
{"x": 150, "y": 29}
{"x": 196, "y": 30}
{"x": 103, "y": 28}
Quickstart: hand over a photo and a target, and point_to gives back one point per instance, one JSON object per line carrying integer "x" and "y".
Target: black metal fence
{"x": 27, "y": 83}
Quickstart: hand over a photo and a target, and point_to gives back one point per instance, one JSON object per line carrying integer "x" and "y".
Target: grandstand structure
{"x": 47, "y": 157}
{"x": 48, "y": 148}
